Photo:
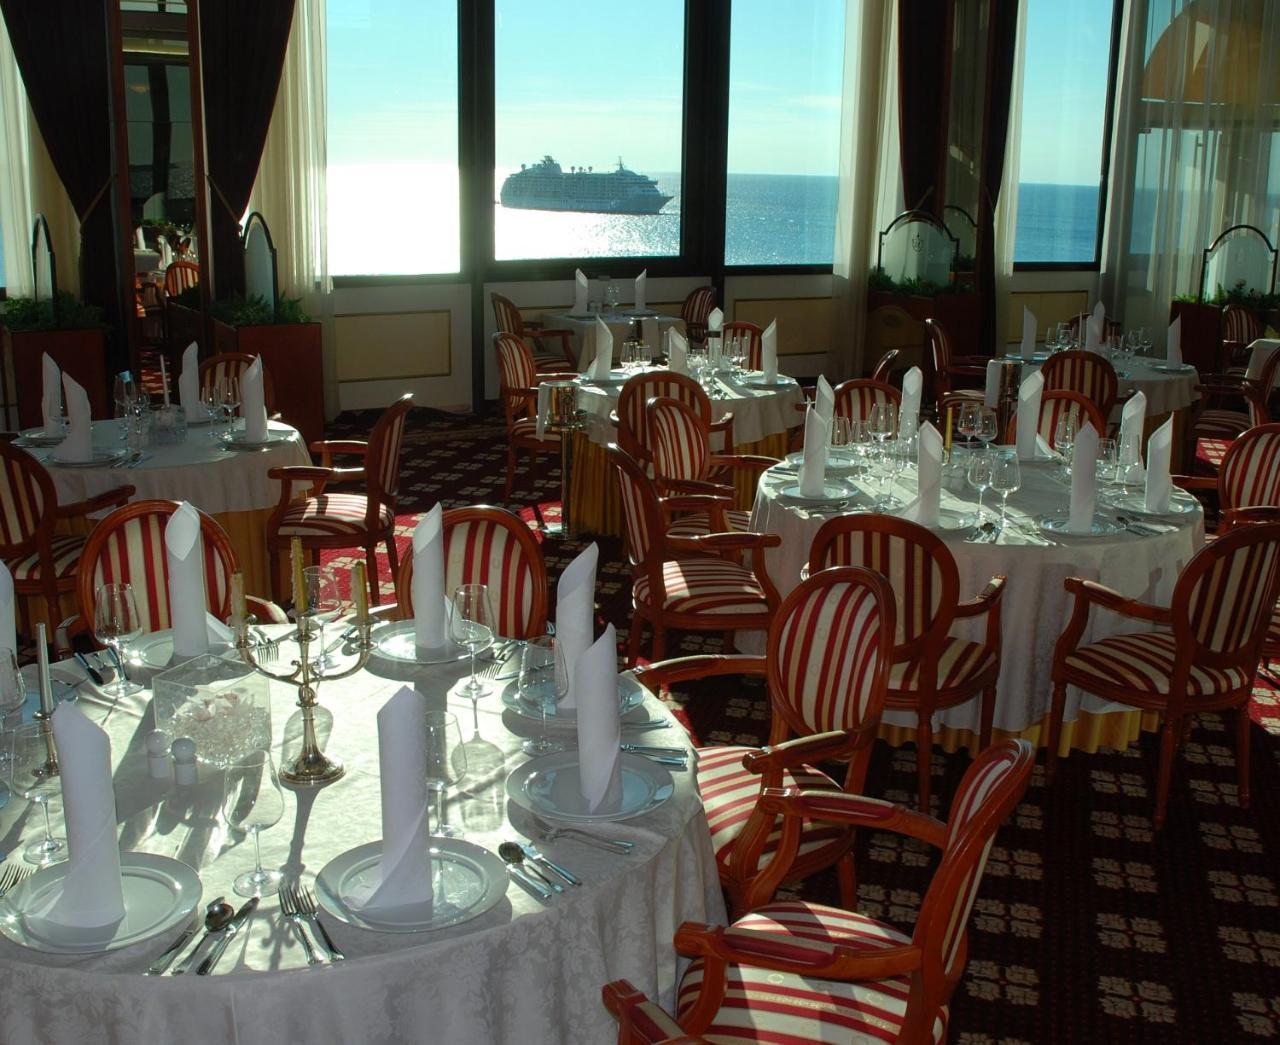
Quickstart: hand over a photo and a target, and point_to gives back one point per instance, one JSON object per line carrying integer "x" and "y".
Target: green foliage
{"x": 254, "y": 311}
{"x": 879, "y": 280}
{"x": 1238, "y": 295}
{"x": 63, "y": 313}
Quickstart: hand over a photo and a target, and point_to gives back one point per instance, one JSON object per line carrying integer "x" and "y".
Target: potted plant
{"x": 70, "y": 332}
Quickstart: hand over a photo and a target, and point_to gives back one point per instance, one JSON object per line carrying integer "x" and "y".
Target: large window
{"x": 1064, "y": 103}
{"x": 393, "y": 136}
{"x": 786, "y": 64}
{"x": 588, "y": 123}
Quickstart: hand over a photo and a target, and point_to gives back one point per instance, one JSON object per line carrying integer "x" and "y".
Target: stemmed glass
{"x": 229, "y": 396}
{"x": 1006, "y": 478}
{"x": 124, "y": 391}
{"x": 324, "y": 604}
{"x": 252, "y": 802}
{"x": 840, "y": 428}
{"x": 883, "y": 421}
{"x": 895, "y": 453}
{"x": 544, "y": 682}
{"x": 211, "y": 400}
{"x": 13, "y": 687}
{"x": 471, "y": 626}
{"x": 1108, "y": 459}
{"x": 1064, "y": 438}
{"x": 860, "y": 442}
{"x": 30, "y": 753}
{"x": 985, "y": 430}
{"x": 979, "y": 475}
{"x": 967, "y": 425}
{"x": 738, "y": 354}
{"x": 116, "y": 623}
{"x": 446, "y": 763}
{"x": 1064, "y": 336}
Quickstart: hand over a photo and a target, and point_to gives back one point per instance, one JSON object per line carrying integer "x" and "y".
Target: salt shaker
{"x": 184, "y": 761}
{"x": 158, "y": 756}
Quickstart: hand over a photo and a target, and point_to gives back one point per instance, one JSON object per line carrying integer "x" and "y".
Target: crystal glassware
{"x": 1064, "y": 438}
{"x": 544, "y": 682}
{"x": 979, "y": 475}
{"x": 967, "y": 425}
{"x": 30, "y": 754}
{"x": 1108, "y": 459}
{"x": 124, "y": 391}
{"x": 883, "y": 420}
{"x": 446, "y": 758}
{"x": 229, "y": 396}
{"x": 13, "y": 687}
{"x": 324, "y": 605}
{"x": 116, "y": 623}
{"x": 471, "y": 626}
{"x": 985, "y": 430}
{"x": 252, "y": 802}
{"x": 1006, "y": 478}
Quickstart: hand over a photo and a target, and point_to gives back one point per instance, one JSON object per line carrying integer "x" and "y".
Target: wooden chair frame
{"x": 509, "y": 320}
{"x": 1108, "y": 384}
{"x": 884, "y": 367}
{"x": 1087, "y": 411}
{"x": 521, "y": 403}
{"x": 631, "y": 420}
{"x": 243, "y": 360}
{"x": 755, "y": 344}
{"x": 946, "y": 365}
{"x": 697, "y": 306}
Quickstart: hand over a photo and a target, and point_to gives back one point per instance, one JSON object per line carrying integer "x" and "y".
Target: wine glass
{"x": 1064, "y": 438}
{"x": 13, "y": 687}
{"x": 446, "y": 763}
{"x": 895, "y": 454}
{"x": 1006, "y": 478}
{"x": 1108, "y": 459}
{"x": 116, "y": 623}
{"x": 1064, "y": 337}
{"x": 979, "y": 475}
{"x": 324, "y": 604}
{"x": 471, "y": 625}
{"x": 30, "y": 753}
{"x": 985, "y": 431}
{"x": 739, "y": 353}
{"x": 840, "y": 427}
{"x": 883, "y": 421}
{"x": 859, "y": 442}
{"x": 212, "y": 403}
{"x": 967, "y": 426}
{"x": 124, "y": 391}
{"x": 229, "y": 396}
{"x": 252, "y": 802}
{"x": 544, "y": 682}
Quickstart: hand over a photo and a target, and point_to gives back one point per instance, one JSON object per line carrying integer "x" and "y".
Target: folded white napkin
{"x": 544, "y": 409}
{"x": 8, "y": 619}
{"x": 1093, "y": 332}
{"x": 813, "y": 466}
{"x": 1028, "y": 333}
{"x": 824, "y": 401}
{"x": 189, "y": 383}
{"x": 581, "y": 291}
{"x": 677, "y": 352}
{"x": 924, "y": 509}
{"x": 1084, "y": 480}
{"x": 715, "y": 321}
{"x": 641, "y": 280}
{"x": 1099, "y": 316}
{"x": 576, "y": 614}
{"x": 188, "y": 598}
{"x": 909, "y": 407}
{"x": 404, "y": 873}
{"x": 1159, "y": 488}
{"x": 253, "y": 403}
{"x": 603, "y": 362}
{"x": 1173, "y": 347}
{"x": 90, "y": 895}
{"x": 1258, "y": 363}
{"x": 595, "y": 679}
{"x": 139, "y": 240}
{"x": 1132, "y": 419}
{"x": 166, "y": 253}
{"x": 51, "y": 401}
{"x": 769, "y": 351}
{"x": 427, "y": 590}
{"x": 78, "y": 445}
{"x": 1029, "y": 394}
{"x": 991, "y": 394}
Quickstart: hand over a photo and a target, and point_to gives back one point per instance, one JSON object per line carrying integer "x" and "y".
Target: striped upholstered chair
{"x": 1240, "y": 329}
{"x": 518, "y": 380}
{"x": 795, "y": 972}
{"x": 695, "y": 310}
{"x": 1221, "y": 416}
{"x": 1086, "y": 373}
{"x": 488, "y": 545}
{"x": 884, "y": 367}
{"x": 632, "y": 422}
{"x": 932, "y": 669}
{"x": 324, "y": 520}
{"x": 43, "y": 563}
{"x": 826, "y": 664}
{"x": 535, "y": 335}
{"x": 1232, "y": 518}
{"x": 1202, "y": 657}
{"x": 688, "y": 587}
{"x": 1053, "y": 407}
{"x": 1249, "y": 476}
{"x": 752, "y": 334}
{"x": 234, "y": 364}
{"x": 855, "y": 398}
{"x": 952, "y": 373}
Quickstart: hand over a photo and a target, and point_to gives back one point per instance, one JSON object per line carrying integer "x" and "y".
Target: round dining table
{"x": 1141, "y": 559}
{"x": 520, "y": 972}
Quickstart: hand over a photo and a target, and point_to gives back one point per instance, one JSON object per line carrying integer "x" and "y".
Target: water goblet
{"x": 1108, "y": 460}
{"x": 324, "y": 604}
{"x": 859, "y": 442}
{"x": 1064, "y": 337}
{"x": 212, "y": 403}
{"x": 229, "y": 396}
{"x": 840, "y": 434}
{"x": 979, "y": 475}
{"x": 124, "y": 391}
{"x": 13, "y": 687}
{"x": 544, "y": 682}
{"x": 1064, "y": 438}
{"x": 985, "y": 428}
{"x": 446, "y": 758}
{"x": 116, "y": 623}
{"x": 471, "y": 626}
{"x": 30, "y": 752}
{"x": 253, "y": 801}
{"x": 1006, "y": 478}
{"x": 967, "y": 426}
{"x": 883, "y": 421}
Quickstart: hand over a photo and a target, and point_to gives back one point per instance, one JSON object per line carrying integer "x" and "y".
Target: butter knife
{"x": 232, "y": 928}
{"x": 534, "y": 854}
{"x": 534, "y": 888}
{"x": 93, "y": 672}
{"x": 158, "y": 966}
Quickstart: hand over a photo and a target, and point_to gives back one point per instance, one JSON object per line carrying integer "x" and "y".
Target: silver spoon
{"x": 218, "y": 918}
{"x": 514, "y": 855}
{"x": 160, "y": 964}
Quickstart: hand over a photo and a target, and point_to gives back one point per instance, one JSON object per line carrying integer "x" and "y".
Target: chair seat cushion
{"x": 704, "y": 586}
{"x": 698, "y": 524}
{"x": 66, "y": 557}
{"x": 729, "y": 794}
{"x": 959, "y": 664}
{"x": 1143, "y": 662}
{"x": 527, "y": 428}
{"x": 1221, "y": 424}
{"x": 761, "y": 1005}
{"x": 331, "y": 515}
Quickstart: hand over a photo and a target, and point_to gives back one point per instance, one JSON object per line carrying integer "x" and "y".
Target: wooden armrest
{"x": 1257, "y": 513}
{"x": 557, "y": 375}
{"x": 737, "y": 542}
{"x": 304, "y": 472}
{"x": 1108, "y": 598}
{"x": 985, "y": 600}
{"x": 818, "y": 747}
{"x": 743, "y": 462}
{"x": 695, "y": 502}
{"x": 681, "y": 669}
{"x": 965, "y": 370}
{"x": 265, "y": 610}
{"x": 1195, "y": 482}
{"x": 641, "y": 1021}
{"x": 339, "y": 446}
{"x": 551, "y": 332}
{"x": 840, "y": 807}
{"x": 693, "y": 486}
{"x": 805, "y": 957}
{"x": 110, "y": 499}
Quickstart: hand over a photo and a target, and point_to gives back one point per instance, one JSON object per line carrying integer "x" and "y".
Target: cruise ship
{"x": 545, "y": 186}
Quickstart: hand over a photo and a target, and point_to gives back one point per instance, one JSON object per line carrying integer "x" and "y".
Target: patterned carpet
{"x": 1089, "y": 926}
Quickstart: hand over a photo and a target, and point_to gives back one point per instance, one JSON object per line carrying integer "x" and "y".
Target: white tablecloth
{"x": 652, "y": 324}
{"x": 1035, "y": 605}
{"x": 757, "y": 412}
{"x": 199, "y": 470}
{"x": 1259, "y": 352}
{"x": 1165, "y": 392}
{"x": 521, "y": 972}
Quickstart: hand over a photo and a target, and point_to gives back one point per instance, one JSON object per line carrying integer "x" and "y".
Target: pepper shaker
{"x": 184, "y": 761}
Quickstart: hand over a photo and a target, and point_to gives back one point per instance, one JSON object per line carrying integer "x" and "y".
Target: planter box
{"x": 1201, "y": 333}
{"x": 80, "y": 353}
{"x": 896, "y": 321}
{"x": 292, "y": 354}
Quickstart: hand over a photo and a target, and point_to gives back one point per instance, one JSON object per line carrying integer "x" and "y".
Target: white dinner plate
{"x": 951, "y": 519}
{"x": 237, "y": 441}
{"x": 395, "y": 641}
{"x": 204, "y": 418}
{"x": 616, "y": 377}
{"x": 468, "y": 881}
{"x": 640, "y": 313}
{"x": 831, "y": 492}
{"x": 758, "y": 381}
{"x": 1135, "y": 501}
{"x": 840, "y": 460}
{"x": 156, "y": 650}
{"x": 97, "y": 459}
{"x": 549, "y": 787}
{"x": 1171, "y": 368}
{"x": 1057, "y": 525}
{"x": 36, "y": 437}
{"x": 630, "y": 697}
{"x": 159, "y": 893}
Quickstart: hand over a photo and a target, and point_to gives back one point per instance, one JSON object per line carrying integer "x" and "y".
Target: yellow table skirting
{"x": 1089, "y": 732}
{"x": 593, "y": 483}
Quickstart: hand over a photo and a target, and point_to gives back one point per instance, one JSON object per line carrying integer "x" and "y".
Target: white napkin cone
{"x": 78, "y": 445}
{"x": 1092, "y": 333}
{"x": 677, "y": 352}
{"x": 813, "y": 466}
{"x": 991, "y": 393}
{"x": 576, "y": 614}
{"x": 404, "y": 885}
{"x": 603, "y": 362}
{"x": 189, "y": 383}
{"x": 909, "y": 407}
{"x": 1029, "y": 394}
{"x": 544, "y": 409}
{"x": 8, "y": 618}
{"x": 581, "y": 290}
{"x": 925, "y": 508}
{"x": 91, "y": 895}
{"x": 715, "y": 321}
{"x": 641, "y": 280}
{"x": 1173, "y": 347}
{"x": 51, "y": 401}
{"x": 166, "y": 253}
{"x": 595, "y": 679}
{"x": 428, "y": 592}
{"x": 253, "y": 403}
{"x": 1258, "y": 363}
{"x": 1028, "y": 333}
{"x": 139, "y": 240}
{"x": 1132, "y": 419}
{"x": 769, "y": 352}
{"x": 188, "y": 598}
{"x": 824, "y": 401}
{"x": 1084, "y": 480}
{"x": 1159, "y": 487}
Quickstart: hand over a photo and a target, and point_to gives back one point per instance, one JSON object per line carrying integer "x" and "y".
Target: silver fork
{"x": 307, "y": 908}
{"x": 266, "y": 649}
{"x": 549, "y": 833}
{"x": 13, "y": 876}
{"x": 289, "y": 908}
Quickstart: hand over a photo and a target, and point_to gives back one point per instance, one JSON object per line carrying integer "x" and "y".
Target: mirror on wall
{"x": 44, "y": 265}
{"x": 1241, "y": 261}
{"x": 259, "y": 261}
{"x": 916, "y": 248}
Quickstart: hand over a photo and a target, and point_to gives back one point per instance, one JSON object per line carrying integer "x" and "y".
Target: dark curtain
{"x": 1004, "y": 35}
{"x": 61, "y": 50}
{"x": 242, "y": 47}
{"x": 923, "y": 72}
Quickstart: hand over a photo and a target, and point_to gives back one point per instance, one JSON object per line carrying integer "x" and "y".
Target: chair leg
{"x": 1168, "y": 747}
{"x": 924, "y": 759}
{"x": 1056, "y": 713}
{"x": 371, "y": 558}
{"x": 634, "y": 638}
{"x": 659, "y": 642}
{"x": 393, "y": 558}
{"x": 988, "y": 717}
{"x": 846, "y": 873}
{"x": 55, "y": 616}
{"x": 727, "y": 640}
{"x": 1242, "y": 753}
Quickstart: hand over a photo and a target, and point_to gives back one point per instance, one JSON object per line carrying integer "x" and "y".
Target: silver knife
{"x": 158, "y": 966}
{"x": 534, "y": 854}
{"x": 535, "y": 889}
{"x": 232, "y": 928}
{"x": 655, "y": 752}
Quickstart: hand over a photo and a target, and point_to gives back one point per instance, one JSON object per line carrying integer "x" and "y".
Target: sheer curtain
{"x": 1006, "y": 216}
{"x": 1197, "y": 146}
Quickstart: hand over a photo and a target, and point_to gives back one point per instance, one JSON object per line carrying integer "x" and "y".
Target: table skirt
{"x": 1091, "y": 731}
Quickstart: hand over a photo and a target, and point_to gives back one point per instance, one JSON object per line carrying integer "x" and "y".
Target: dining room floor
{"x": 1089, "y": 924}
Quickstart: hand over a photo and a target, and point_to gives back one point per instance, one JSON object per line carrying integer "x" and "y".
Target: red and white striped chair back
{"x": 854, "y": 399}
{"x": 1053, "y": 407}
{"x": 127, "y": 547}
{"x": 741, "y": 329}
{"x": 234, "y": 364}
{"x": 641, "y": 513}
{"x": 695, "y": 310}
{"x": 679, "y": 440}
{"x": 939, "y": 345}
{"x": 1250, "y": 473}
{"x": 830, "y": 648}
{"x": 1240, "y": 325}
{"x": 516, "y": 370}
{"x": 1084, "y": 372}
{"x": 633, "y": 421}
{"x": 507, "y": 316}
{"x": 1222, "y": 603}
{"x": 382, "y": 462}
{"x": 884, "y": 368}
{"x": 180, "y": 276}
{"x": 26, "y": 493}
